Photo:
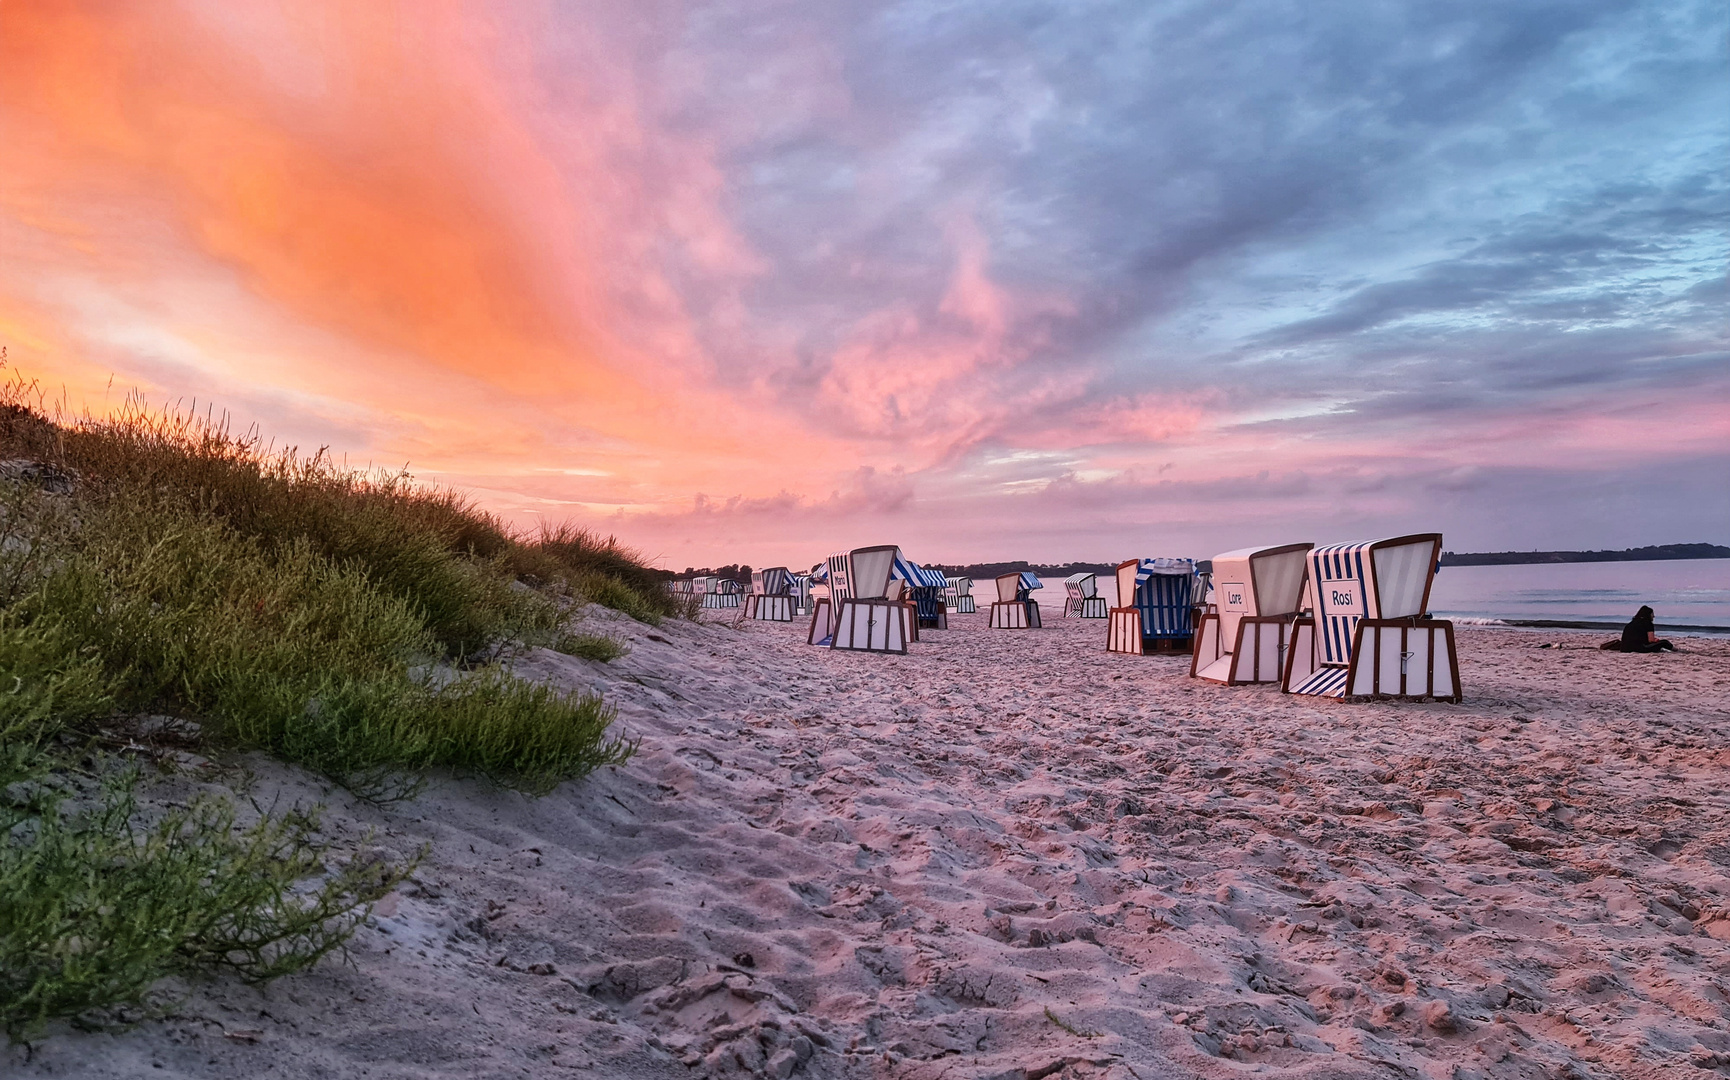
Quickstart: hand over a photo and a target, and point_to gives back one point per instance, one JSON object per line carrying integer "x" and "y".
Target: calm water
{"x": 1686, "y": 593}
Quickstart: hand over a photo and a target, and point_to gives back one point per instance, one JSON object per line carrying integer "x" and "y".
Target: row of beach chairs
{"x": 716, "y": 592}
{"x": 1344, "y": 620}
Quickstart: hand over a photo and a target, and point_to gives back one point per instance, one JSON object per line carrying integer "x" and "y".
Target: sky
{"x": 988, "y": 279}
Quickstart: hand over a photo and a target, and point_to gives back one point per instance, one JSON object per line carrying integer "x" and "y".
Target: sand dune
{"x": 1012, "y": 855}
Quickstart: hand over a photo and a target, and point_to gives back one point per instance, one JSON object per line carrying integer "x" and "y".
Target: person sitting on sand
{"x": 1640, "y": 635}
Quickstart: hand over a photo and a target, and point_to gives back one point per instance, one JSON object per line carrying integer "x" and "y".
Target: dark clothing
{"x": 1636, "y": 636}
{"x": 1661, "y": 645}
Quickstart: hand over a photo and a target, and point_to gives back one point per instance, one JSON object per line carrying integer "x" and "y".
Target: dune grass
{"x": 98, "y": 907}
{"x": 453, "y": 563}
{"x": 361, "y": 626}
{"x": 351, "y": 624}
{"x": 591, "y": 647}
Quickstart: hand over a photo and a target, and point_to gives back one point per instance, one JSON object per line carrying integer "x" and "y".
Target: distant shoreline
{"x": 1653, "y": 553}
{"x": 1049, "y": 571}
{"x": 1656, "y": 553}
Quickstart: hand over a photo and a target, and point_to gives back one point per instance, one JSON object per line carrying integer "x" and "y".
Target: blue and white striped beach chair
{"x": 1157, "y": 603}
{"x": 1370, "y": 634}
{"x": 799, "y": 588}
{"x": 771, "y": 596}
{"x": 1015, "y": 608}
{"x": 1258, "y": 593}
{"x": 925, "y": 589}
{"x": 1083, "y": 599}
{"x": 958, "y": 595}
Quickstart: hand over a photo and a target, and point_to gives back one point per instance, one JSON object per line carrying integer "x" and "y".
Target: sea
{"x": 1689, "y": 595}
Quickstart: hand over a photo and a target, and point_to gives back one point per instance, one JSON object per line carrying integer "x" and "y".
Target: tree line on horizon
{"x": 741, "y": 572}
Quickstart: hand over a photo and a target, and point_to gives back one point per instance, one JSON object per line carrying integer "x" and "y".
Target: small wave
{"x": 1469, "y": 620}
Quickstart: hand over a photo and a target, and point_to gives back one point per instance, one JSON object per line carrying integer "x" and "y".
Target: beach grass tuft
{"x": 591, "y": 647}
{"x": 99, "y": 905}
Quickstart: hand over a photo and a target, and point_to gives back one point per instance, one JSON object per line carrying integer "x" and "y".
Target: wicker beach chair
{"x": 958, "y": 595}
{"x": 799, "y": 588}
{"x": 717, "y": 592}
{"x": 1014, "y": 608}
{"x": 925, "y": 589}
{"x": 1158, "y": 601}
{"x": 866, "y": 619}
{"x": 1370, "y": 635}
{"x": 1083, "y": 600}
{"x": 1258, "y": 593}
{"x": 771, "y": 597}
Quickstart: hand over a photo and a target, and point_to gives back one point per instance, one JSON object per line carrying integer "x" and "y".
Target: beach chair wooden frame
{"x": 770, "y": 599}
{"x": 867, "y": 620}
{"x": 1257, "y": 597}
{"x": 769, "y": 608}
{"x": 1258, "y": 653}
{"x": 1160, "y": 614}
{"x": 1083, "y": 600}
{"x": 1014, "y": 608}
{"x": 1370, "y": 635}
{"x": 1392, "y": 659}
{"x": 823, "y": 608}
{"x": 958, "y": 595}
{"x": 903, "y": 595}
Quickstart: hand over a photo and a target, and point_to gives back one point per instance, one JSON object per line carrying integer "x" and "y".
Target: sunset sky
{"x": 989, "y": 279}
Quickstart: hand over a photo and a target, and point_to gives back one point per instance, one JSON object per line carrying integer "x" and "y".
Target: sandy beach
{"x": 1012, "y": 855}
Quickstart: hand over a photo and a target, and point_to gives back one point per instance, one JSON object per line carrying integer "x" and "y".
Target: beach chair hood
{"x": 1081, "y": 586}
{"x": 916, "y": 576}
{"x": 869, "y": 569}
{"x": 1261, "y": 581}
{"x": 771, "y": 581}
{"x": 1369, "y": 579}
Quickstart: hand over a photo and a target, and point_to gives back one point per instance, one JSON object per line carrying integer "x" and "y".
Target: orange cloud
{"x": 410, "y": 233}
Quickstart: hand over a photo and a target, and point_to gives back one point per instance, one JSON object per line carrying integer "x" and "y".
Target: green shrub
{"x": 452, "y": 563}
{"x": 591, "y": 647}
{"x": 292, "y": 653}
{"x": 51, "y": 681}
{"x": 97, "y": 908}
{"x": 605, "y": 573}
